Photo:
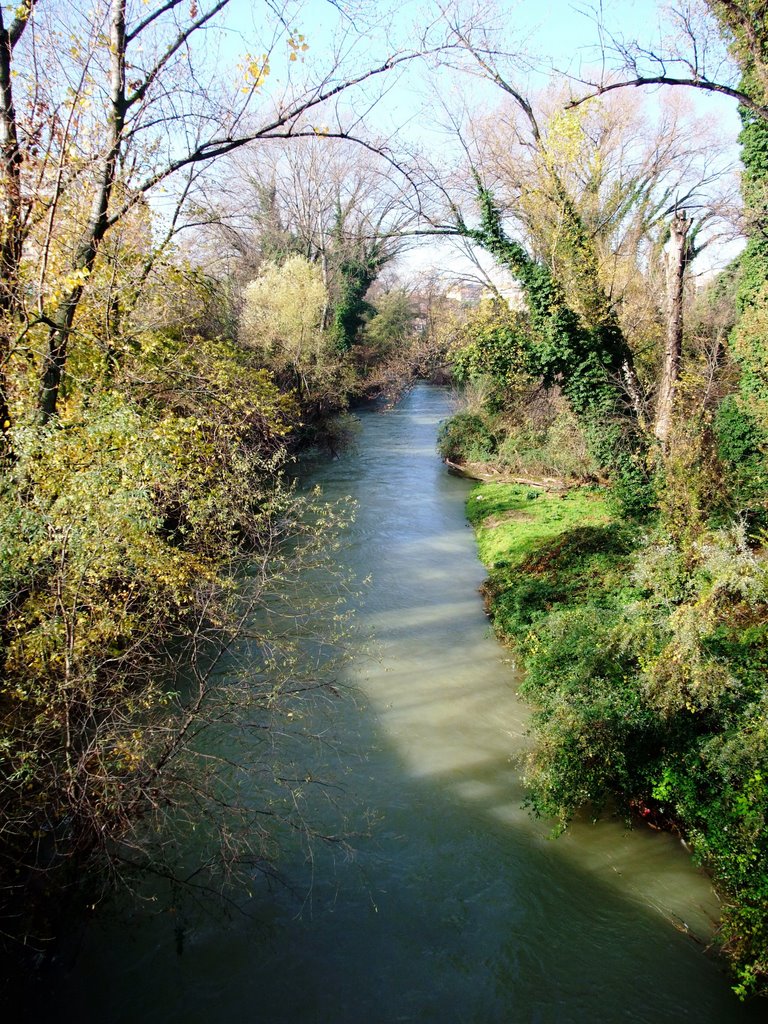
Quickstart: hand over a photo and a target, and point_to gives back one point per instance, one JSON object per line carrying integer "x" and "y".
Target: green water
{"x": 455, "y": 907}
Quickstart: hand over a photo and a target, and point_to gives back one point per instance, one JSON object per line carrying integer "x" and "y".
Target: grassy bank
{"x": 546, "y": 551}
{"x": 645, "y": 665}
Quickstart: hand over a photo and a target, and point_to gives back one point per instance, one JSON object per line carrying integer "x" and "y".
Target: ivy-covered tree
{"x": 579, "y": 217}
{"x": 586, "y": 361}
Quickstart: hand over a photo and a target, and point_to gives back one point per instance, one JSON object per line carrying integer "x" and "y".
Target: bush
{"x": 554, "y": 447}
{"x": 596, "y": 733}
{"x": 742, "y": 446}
{"x": 466, "y": 437}
{"x": 492, "y": 347}
{"x": 122, "y": 527}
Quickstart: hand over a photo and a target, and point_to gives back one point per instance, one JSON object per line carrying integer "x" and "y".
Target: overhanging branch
{"x": 691, "y": 83}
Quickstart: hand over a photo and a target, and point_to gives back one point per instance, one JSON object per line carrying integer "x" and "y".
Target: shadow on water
{"x": 456, "y": 907}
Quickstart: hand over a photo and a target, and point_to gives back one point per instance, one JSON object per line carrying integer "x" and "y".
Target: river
{"x": 454, "y": 906}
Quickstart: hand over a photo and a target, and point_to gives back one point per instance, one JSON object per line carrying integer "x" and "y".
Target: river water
{"x": 454, "y": 905}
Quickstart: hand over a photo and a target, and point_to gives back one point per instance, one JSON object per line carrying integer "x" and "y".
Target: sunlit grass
{"x": 513, "y": 520}
{"x": 548, "y": 551}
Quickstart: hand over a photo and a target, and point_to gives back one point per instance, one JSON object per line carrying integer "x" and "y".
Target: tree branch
{"x": 692, "y": 83}
{"x": 168, "y": 6}
{"x": 214, "y": 148}
{"x": 20, "y": 22}
{"x": 175, "y": 46}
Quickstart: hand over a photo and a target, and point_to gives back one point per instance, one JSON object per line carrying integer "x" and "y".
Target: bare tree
{"x": 334, "y": 203}
{"x": 136, "y": 103}
{"x": 709, "y": 47}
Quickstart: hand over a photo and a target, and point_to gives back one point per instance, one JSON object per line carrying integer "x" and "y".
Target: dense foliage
{"x": 510, "y": 418}
{"x": 585, "y": 356}
{"x": 123, "y": 523}
{"x": 646, "y": 665}
{"x": 645, "y": 649}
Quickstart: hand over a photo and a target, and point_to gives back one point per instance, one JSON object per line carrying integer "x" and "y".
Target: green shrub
{"x": 492, "y": 348}
{"x": 742, "y": 447}
{"x": 595, "y": 733}
{"x": 466, "y": 437}
{"x": 553, "y": 447}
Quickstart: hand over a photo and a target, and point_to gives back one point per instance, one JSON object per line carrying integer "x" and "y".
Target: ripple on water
{"x": 456, "y": 907}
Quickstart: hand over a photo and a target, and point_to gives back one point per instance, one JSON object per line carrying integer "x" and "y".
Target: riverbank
{"x": 642, "y": 670}
{"x": 447, "y": 901}
{"x": 126, "y": 528}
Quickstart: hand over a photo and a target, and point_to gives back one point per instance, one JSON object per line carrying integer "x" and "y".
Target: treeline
{"x": 645, "y": 641}
{"x": 163, "y": 354}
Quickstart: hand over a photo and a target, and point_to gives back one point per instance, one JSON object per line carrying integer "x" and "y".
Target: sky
{"x": 555, "y": 35}
{"x": 552, "y": 37}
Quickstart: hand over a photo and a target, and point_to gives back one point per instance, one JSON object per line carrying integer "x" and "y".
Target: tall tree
{"x": 678, "y": 258}
{"x": 696, "y": 60}
{"x": 135, "y": 101}
{"x": 575, "y": 214}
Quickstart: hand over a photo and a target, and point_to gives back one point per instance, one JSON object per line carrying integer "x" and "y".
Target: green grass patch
{"x": 548, "y": 551}
{"x": 512, "y": 520}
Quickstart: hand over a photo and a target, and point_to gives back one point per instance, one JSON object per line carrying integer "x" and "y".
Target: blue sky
{"x": 555, "y": 35}
{"x": 552, "y": 35}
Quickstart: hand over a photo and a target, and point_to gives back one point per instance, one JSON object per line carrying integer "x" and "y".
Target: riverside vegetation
{"x": 632, "y": 582}
{"x": 645, "y": 663}
{"x": 153, "y": 392}
{"x": 151, "y": 402}
{"x": 148, "y": 531}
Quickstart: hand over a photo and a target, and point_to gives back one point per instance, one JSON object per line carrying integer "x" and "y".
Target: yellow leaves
{"x": 565, "y": 137}
{"x": 67, "y": 284}
{"x": 296, "y": 45}
{"x": 284, "y": 309}
{"x": 22, "y": 12}
{"x": 129, "y": 750}
{"x": 255, "y": 71}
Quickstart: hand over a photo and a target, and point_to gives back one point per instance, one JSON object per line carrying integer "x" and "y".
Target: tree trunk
{"x": 56, "y": 356}
{"x": 11, "y": 211}
{"x": 63, "y": 316}
{"x": 677, "y": 261}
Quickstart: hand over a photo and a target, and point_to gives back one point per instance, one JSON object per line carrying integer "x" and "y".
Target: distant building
{"x": 468, "y": 293}
{"x": 471, "y": 293}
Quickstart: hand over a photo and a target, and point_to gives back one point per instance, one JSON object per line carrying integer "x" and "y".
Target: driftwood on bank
{"x": 487, "y": 473}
